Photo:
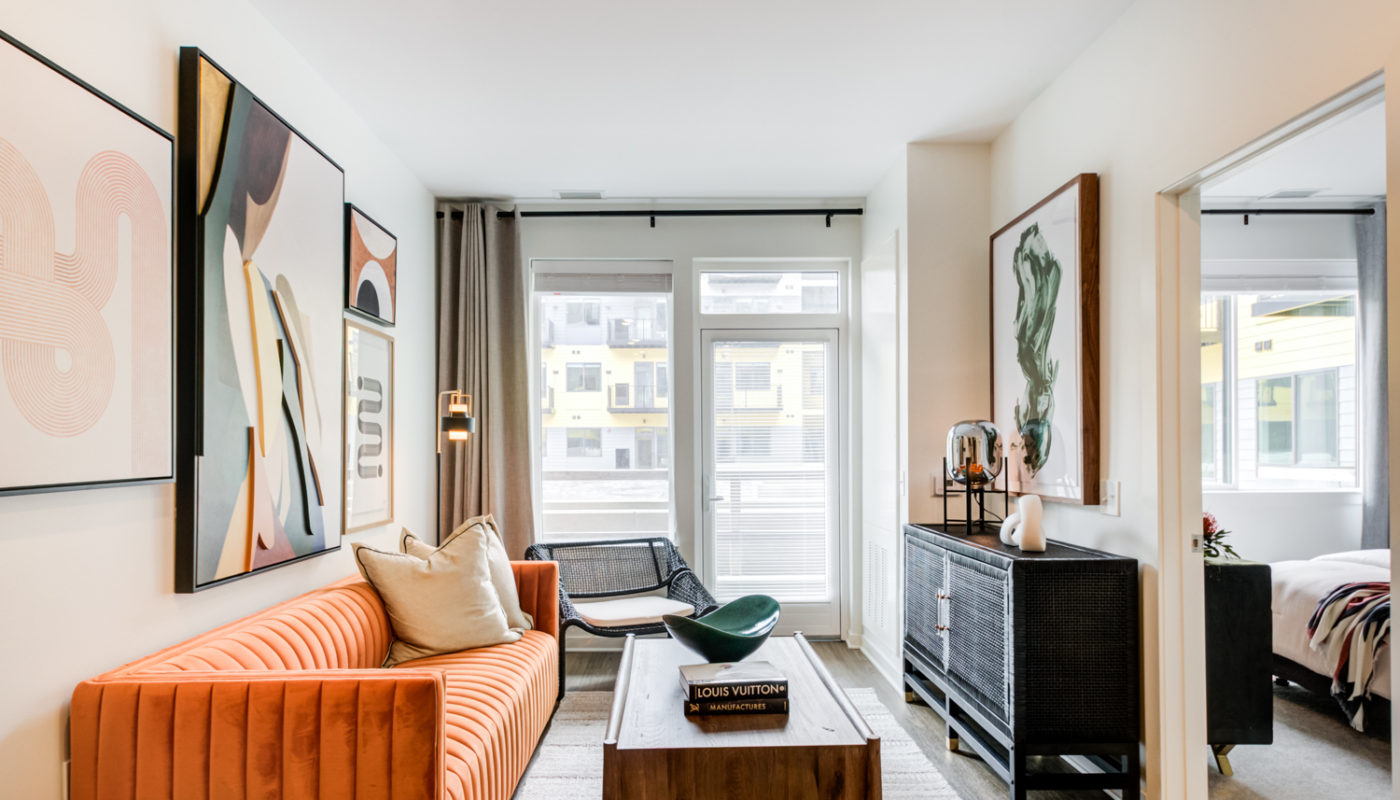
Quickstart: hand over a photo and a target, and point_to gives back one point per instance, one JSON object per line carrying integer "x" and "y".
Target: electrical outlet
{"x": 1112, "y": 503}
{"x": 935, "y": 480}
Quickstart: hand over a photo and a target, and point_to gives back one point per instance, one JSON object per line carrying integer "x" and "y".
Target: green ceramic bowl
{"x": 729, "y": 634}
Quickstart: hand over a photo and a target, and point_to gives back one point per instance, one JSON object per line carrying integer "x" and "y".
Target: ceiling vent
{"x": 1292, "y": 194}
{"x": 580, "y": 194}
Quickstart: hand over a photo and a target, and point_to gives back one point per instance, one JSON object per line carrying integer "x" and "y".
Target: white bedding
{"x": 1298, "y": 587}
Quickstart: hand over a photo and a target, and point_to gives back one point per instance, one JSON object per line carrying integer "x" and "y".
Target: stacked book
{"x": 749, "y": 687}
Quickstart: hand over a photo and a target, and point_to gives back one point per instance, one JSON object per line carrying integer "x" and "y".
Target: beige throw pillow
{"x": 501, "y": 574}
{"x": 441, "y": 603}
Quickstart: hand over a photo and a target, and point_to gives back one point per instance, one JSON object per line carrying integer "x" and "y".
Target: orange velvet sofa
{"x": 291, "y": 703}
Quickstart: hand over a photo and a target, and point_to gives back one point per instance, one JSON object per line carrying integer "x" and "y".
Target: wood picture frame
{"x": 87, "y": 387}
{"x": 261, "y": 338}
{"x": 369, "y": 427}
{"x": 1044, "y": 367}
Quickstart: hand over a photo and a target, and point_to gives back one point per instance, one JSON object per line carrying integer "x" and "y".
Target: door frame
{"x": 819, "y": 619}
{"x": 1179, "y": 655}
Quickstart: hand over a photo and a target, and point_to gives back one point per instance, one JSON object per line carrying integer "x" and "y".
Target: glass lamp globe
{"x": 974, "y": 452}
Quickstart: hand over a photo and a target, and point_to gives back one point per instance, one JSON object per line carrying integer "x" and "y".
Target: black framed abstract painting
{"x": 1045, "y": 344}
{"x": 86, "y": 341}
{"x": 261, "y": 368}
{"x": 369, "y": 427}
{"x": 371, "y": 266}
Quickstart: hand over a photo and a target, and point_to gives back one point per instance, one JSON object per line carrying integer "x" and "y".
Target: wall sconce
{"x": 455, "y": 412}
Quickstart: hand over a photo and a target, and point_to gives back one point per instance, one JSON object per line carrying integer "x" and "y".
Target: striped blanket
{"x": 1350, "y": 626}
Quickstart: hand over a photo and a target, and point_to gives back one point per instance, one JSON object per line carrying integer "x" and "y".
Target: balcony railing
{"x": 622, "y": 399}
{"x": 636, "y": 333}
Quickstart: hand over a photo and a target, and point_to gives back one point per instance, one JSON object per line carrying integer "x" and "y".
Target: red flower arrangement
{"x": 1213, "y": 540}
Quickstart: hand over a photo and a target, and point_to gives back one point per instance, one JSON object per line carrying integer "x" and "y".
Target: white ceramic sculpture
{"x": 1023, "y": 528}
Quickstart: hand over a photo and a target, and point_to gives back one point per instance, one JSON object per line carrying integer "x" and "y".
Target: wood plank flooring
{"x": 1311, "y": 741}
{"x": 967, "y": 774}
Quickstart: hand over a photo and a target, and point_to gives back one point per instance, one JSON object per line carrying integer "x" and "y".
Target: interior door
{"x": 770, "y": 466}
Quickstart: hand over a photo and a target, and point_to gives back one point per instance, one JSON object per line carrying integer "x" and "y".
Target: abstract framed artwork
{"x": 86, "y": 339}
{"x": 371, "y": 267}
{"x": 1045, "y": 344}
{"x": 260, "y": 335}
{"x": 369, "y": 427}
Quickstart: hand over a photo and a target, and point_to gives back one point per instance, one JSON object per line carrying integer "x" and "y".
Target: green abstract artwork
{"x": 1037, "y": 274}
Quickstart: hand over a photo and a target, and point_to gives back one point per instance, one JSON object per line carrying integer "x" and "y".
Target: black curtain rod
{"x": 1356, "y": 212}
{"x": 686, "y": 212}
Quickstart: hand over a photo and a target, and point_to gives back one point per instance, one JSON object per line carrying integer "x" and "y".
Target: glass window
{"x": 585, "y": 442}
{"x": 663, "y": 386}
{"x": 773, "y": 517}
{"x": 1274, "y": 399}
{"x": 585, "y": 377}
{"x": 770, "y": 292}
{"x": 1317, "y": 419}
{"x": 1209, "y": 458}
{"x": 1279, "y": 400}
{"x": 603, "y": 460}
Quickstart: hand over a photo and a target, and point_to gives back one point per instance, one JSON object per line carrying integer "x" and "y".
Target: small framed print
{"x": 371, "y": 267}
{"x": 369, "y": 427}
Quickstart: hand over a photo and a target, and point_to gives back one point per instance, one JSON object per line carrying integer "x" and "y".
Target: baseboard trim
{"x": 887, "y": 668}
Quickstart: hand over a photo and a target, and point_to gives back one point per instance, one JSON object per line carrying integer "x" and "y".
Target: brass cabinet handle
{"x": 943, "y": 597}
{"x": 941, "y": 628}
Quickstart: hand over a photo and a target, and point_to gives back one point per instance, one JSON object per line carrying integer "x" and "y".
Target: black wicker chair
{"x": 614, "y": 568}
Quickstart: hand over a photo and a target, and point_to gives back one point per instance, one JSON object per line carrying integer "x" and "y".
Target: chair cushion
{"x": 625, "y": 612}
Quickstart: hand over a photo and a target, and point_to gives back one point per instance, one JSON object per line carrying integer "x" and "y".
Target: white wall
{"x": 883, "y": 496}
{"x": 1171, "y": 87}
{"x": 1277, "y": 238}
{"x": 88, "y": 579}
{"x": 1283, "y": 526}
{"x": 948, "y": 295}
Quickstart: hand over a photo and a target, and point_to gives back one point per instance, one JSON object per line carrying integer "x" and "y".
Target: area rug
{"x": 568, "y": 765}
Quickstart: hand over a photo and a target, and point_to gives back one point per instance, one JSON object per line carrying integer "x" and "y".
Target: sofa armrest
{"x": 538, "y": 583}
{"x": 297, "y": 735}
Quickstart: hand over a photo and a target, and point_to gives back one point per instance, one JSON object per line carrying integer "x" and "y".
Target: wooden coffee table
{"x": 652, "y": 751}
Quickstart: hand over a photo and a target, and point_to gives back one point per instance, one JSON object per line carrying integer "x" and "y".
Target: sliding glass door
{"x": 771, "y": 521}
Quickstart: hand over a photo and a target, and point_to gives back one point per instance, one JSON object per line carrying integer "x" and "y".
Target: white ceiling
{"x": 1343, "y": 160}
{"x": 713, "y": 98}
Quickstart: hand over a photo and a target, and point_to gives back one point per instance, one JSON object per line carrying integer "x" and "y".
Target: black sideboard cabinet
{"x": 1026, "y": 654}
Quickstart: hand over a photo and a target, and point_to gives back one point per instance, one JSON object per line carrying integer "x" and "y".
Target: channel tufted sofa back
{"x": 290, "y": 703}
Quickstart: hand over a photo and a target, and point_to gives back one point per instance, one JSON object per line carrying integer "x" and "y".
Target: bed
{"x": 1298, "y": 586}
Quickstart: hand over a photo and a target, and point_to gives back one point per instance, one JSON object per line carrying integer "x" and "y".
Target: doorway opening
{"x": 1288, "y": 450}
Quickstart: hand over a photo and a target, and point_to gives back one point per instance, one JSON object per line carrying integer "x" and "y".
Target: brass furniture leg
{"x": 1222, "y": 758}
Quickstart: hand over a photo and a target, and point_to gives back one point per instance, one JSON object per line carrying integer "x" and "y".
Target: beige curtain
{"x": 483, "y": 350}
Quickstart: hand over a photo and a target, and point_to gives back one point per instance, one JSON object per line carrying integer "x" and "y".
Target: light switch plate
{"x": 1112, "y": 502}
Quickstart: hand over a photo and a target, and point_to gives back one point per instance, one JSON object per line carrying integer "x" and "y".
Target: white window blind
{"x": 773, "y": 518}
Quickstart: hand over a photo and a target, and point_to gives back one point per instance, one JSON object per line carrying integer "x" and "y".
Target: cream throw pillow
{"x": 501, "y": 574}
{"x": 442, "y": 603}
